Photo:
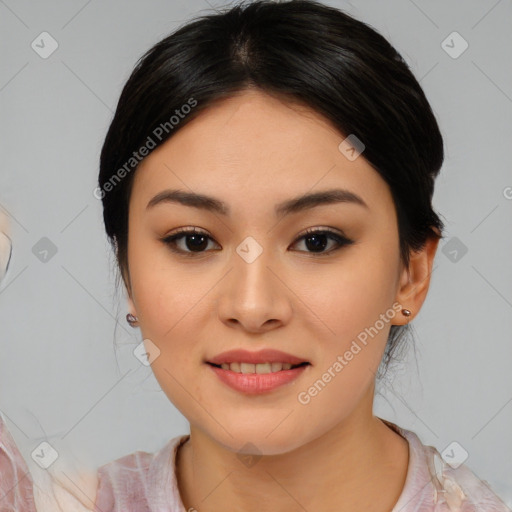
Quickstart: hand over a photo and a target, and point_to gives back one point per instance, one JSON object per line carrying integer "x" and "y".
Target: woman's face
{"x": 254, "y": 280}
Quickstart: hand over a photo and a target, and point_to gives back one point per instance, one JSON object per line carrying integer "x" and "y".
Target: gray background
{"x": 62, "y": 380}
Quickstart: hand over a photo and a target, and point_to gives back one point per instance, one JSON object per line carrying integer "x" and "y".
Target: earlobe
{"x": 415, "y": 279}
{"x": 131, "y": 317}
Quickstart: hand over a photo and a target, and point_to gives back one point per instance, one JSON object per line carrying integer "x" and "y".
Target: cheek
{"x": 172, "y": 318}
{"x": 166, "y": 293}
{"x": 351, "y": 294}
{"x": 355, "y": 302}
{"x": 357, "y": 308}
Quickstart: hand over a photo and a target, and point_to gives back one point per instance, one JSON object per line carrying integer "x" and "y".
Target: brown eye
{"x": 191, "y": 241}
{"x": 316, "y": 240}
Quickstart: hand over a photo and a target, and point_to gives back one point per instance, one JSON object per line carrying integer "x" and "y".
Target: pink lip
{"x": 255, "y": 383}
{"x": 261, "y": 356}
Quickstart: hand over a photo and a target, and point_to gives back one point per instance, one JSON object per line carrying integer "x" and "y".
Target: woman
{"x": 266, "y": 185}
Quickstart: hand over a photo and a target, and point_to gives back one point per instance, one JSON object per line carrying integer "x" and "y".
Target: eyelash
{"x": 340, "y": 240}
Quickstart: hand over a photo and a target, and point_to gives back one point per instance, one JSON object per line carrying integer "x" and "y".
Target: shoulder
{"x": 463, "y": 488}
{"x": 16, "y": 486}
{"x": 136, "y": 481}
{"x": 31, "y": 489}
{"x": 450, "y": 487}
{"x": 69, "y": 491}
{"x": 132, "y": 483}
{"x": 123, "y": 481}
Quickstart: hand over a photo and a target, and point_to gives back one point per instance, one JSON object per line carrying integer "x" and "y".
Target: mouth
{"x": 258, "y": 368}
{"x": 257, "y": 378}
{"x": 254, "y": 372}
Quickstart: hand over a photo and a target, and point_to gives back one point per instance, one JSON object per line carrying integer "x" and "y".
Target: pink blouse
{"x": 16, "y": 493}
{"x": 146, "y": 482}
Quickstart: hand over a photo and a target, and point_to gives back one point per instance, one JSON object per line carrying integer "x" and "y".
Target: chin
{"x": 258, "y": 439}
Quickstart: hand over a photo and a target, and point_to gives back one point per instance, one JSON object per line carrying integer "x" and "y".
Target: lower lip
{"x": 256, "y": 383}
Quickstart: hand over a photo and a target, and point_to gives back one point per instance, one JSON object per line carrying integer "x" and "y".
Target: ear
{"x": 131, "y": 306}
{"x": 129, "y": 294}
{"x": 415, "y": 280}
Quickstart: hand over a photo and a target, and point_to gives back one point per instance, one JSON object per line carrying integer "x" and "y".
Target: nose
{"x": 253, "y": 296}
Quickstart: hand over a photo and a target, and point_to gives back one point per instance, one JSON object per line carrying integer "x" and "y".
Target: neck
{"x": 359, "y": 464}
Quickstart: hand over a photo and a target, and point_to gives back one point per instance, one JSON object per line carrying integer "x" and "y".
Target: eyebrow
{"x": 294, "y": 205}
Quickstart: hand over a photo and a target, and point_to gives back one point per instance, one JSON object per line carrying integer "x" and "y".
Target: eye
{"x": 196, "y": 241}
{"x": 318, "y": 239}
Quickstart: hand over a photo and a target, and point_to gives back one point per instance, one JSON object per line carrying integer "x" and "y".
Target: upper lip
{"x": 261, "y": 356}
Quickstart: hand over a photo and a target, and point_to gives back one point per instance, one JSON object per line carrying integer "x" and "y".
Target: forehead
{"x": 254, "y": 148}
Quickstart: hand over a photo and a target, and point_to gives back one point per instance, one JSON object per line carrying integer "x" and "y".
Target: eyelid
{"x": 322, "y": 229}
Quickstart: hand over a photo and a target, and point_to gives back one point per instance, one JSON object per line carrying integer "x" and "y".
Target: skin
{"x": 253, "y": 151}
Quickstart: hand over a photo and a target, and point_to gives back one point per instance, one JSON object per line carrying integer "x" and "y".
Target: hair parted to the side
{"x": 301, "y": 51}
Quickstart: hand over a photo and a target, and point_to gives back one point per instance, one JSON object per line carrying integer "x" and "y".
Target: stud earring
{"x": 132, "y": 320}
{"x": 406, "y": 312}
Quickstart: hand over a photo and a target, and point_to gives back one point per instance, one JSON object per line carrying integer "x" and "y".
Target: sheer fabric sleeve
{"x": 16, "y": 485}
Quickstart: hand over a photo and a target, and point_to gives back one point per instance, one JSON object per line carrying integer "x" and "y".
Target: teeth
{"x": 248, "y": 368}
{"x": 256, "y": 368}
